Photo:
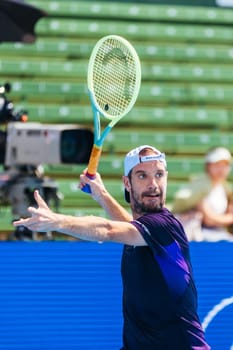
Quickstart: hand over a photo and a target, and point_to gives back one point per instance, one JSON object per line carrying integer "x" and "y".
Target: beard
{"x": 142, "y": 208}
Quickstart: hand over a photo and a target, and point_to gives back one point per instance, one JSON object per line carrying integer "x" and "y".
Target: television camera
{"x": 24, "y": 148}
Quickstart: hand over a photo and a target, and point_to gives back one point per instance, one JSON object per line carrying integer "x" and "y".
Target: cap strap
{"x": 149, "y": 158}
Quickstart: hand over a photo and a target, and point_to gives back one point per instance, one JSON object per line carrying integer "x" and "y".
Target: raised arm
{"x": 99, "y": 193}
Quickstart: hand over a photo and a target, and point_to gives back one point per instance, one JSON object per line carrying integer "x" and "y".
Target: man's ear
{"x": 126, "y": 183}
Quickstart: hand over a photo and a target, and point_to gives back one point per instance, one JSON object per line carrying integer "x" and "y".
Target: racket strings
{"x": 114, "y": 77}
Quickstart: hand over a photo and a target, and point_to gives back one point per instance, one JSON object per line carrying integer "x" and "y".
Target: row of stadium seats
{"x": 128, "y": 11}
{"x": 67, "y": 48}
{"x": 151, "y": 92}
{"x": 163, "y": 116}
{"x": 160, "y": 32}
{"x": 150, "y": 71}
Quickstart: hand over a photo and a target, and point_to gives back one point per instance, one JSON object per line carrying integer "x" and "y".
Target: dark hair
{"x": 127, "y": 195}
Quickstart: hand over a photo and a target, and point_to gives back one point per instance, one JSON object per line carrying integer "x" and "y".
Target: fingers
{"x": 31, "y": 223}
{"x": 42, "y": 219}
{"x": 22, "y": 222}
{"x": 35, "y": 212}
{"x": 32, "y": 210}
{"x": 39, "y": 200}
{"x": 84, "y": 180}
{"x": 18, "y": 222}
{"x": 39, "y": 220}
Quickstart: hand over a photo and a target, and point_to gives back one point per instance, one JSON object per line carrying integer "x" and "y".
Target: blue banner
{"x": 67, "y": 295}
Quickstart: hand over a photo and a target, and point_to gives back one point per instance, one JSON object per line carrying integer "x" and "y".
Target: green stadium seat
{"x": 59, "y": 113}
{"x": 77, "y": 48}
{"x": 44, "y": 68}
{"x": 72, "y": 194}
{"x": 46, "y": 47}
{"x": 163, "y": 92}
{"x": 73, "y": 197}
{"x": 172, "y": 92}
{"x": 134, "y": 31}
{"x": 98, "y": 9}
{"x": 168, "y": 116}
{"x": 212, "y": 94}
{"x": 6, "y": 219}
{"x": 187, "y": 72}
{"x": 180, "y": 166}
{"x": 150, "y": 71}
{"x": 172, "y": 142}
{"x": 79, "y": 211}
{"x": 35, "y": 90}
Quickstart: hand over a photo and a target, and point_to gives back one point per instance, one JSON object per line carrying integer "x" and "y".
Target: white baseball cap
{"x": 133, "y": 158}
{"x": 217, "y": 154}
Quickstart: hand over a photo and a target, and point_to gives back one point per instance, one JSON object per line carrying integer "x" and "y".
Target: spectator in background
{"x": 205, "y": 206}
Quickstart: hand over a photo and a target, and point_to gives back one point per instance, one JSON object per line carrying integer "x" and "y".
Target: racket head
{"x": 114, "y": 77}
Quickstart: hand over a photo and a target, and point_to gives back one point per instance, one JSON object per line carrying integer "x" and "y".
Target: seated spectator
{"x": 205, "y": 206}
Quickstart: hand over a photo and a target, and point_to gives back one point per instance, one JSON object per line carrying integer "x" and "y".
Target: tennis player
{"x": 159, "y": 294}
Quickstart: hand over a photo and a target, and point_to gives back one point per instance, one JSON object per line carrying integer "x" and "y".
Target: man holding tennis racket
{"x": 159, "y": 294}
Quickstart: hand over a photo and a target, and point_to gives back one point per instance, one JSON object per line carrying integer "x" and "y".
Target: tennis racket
{"x": 113, "y": 79}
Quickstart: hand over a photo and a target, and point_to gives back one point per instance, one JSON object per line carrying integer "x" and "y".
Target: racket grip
{"x": 92, "y": 166}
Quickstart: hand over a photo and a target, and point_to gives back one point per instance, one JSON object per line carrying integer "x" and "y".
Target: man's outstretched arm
{"x": 90, "y": 228}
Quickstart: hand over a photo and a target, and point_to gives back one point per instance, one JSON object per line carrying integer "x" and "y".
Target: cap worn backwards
{"x": 133, "y": 158}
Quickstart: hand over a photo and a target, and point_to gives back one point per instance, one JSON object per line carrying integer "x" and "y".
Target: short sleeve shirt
{"x": 159, "y": 294}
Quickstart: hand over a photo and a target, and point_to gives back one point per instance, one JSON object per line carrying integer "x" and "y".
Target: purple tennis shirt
{"x": 159, "y": 293}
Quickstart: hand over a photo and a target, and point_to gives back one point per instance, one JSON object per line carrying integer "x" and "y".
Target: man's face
{"x": 147, "y": 187}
